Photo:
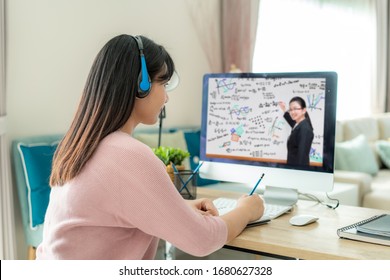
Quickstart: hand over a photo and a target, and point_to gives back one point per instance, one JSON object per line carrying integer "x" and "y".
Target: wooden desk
{"x": 315, "y": 241}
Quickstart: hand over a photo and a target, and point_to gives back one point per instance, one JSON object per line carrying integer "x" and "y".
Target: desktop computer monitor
{"x": 245, "y": 132}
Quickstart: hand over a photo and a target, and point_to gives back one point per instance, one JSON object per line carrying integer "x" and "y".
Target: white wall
{"x": 50, "y": 46}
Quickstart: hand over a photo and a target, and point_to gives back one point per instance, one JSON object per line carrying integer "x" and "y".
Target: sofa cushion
{"x": 383, "y": 150}
{"x": 363, "y": 180}
{"x": 379, "y": 197}
{"x": 356, "y": 155}
{"x": 36, "y": 160}
{"x": 339, "y": 132}
{"x": 384, "y": 125}
{"x": 366, "y": 126}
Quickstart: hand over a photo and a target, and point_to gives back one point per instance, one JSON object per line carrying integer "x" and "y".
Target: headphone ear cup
{"x": 144, "y": 86}
{"x": 144, "y": 82}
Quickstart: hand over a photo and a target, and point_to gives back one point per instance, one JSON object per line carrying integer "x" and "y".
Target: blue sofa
{"x": 31, "y": 160}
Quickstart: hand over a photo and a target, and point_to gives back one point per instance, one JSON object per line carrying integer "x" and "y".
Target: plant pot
{"x": 170, "y": 171}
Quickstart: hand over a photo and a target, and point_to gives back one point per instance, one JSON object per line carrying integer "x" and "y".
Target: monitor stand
{"x": 281, "y": 196}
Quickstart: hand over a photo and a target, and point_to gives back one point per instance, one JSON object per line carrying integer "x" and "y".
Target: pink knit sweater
{"x": 119, "y": 206}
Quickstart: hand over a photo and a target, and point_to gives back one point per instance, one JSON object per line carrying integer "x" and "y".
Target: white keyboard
{"x": 271, "y": 211}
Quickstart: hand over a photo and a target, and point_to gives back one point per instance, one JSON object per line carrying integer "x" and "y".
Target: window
{"x": 315, "y": 35}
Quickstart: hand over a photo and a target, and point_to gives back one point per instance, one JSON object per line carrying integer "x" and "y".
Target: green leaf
{"x": 170, "y": 154}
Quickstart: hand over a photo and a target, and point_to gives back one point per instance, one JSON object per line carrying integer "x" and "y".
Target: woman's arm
{"x": 289, "y": 120}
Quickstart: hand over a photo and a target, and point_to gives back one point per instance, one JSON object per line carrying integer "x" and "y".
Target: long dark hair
{"x": 107, "y": 100}
{"x": 302, "y": 103}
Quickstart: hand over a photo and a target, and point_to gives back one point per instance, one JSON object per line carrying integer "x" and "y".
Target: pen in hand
{"x": 255, "y": 187}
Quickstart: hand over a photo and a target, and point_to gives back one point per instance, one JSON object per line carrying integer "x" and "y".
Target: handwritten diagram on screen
{"x": 245, "y": 120}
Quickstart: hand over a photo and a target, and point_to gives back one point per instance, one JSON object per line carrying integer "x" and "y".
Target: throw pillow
{"x": 383, "y": 149}
{"x": 36, "y": 160}
{"x": 356, "y": 155}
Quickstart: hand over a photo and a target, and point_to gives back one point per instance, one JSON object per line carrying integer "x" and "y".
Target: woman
{"x": 111, "y": 197}
{"x": 301, "y": 137}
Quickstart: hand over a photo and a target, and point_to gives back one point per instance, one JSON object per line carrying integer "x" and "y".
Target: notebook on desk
{"x": 373, "y": 230}
{"x": 271, "y": 211}
{"x": 380, "y": 225}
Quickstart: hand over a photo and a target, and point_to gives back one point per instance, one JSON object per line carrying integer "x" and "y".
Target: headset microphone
{"x": 144, "y": 81}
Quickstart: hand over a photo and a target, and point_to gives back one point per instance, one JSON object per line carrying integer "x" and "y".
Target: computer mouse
{"x": 302, "y": 220}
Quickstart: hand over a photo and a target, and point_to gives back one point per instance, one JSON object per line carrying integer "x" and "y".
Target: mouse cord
{"x": 314, "y": 198}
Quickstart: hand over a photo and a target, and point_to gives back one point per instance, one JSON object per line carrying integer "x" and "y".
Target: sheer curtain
{"x": 7, "y": 232}
{"x": 226, "y": 31}
{"x": 388, "y": 58}
{"x": 206, "y": 17}
{"x": 387, "y": 77}
{"x": 239, "y": 27}
{"x": 325, "y": 35}
{"x": 381, "y": 74}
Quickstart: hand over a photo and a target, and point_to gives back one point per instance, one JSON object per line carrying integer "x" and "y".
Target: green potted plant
{"x": 170, "y": 155}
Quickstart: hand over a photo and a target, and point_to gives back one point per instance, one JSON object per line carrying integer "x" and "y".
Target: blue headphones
{"x": 144, "y": 81}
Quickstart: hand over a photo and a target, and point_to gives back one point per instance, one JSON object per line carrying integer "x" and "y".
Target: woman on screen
{"x": 301, "y": 137}
{"x": 111, "y": 197}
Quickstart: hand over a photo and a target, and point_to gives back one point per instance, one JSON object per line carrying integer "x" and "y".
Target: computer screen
{"x": 279, "y": 124}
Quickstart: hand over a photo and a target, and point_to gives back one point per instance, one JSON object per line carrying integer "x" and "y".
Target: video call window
{"x": 248, "y": 118}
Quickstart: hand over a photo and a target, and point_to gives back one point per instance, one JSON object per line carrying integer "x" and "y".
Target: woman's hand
{"x": 253, "y": 204}
{"x": 204, "y": 206}
{"x": 249, "y": 208}
{"x": 282, "y": 106}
